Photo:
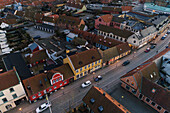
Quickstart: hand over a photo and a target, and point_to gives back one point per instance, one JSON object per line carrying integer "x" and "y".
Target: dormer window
{"x": 151, "y": 75}
{"x": 92, "y": 57}
{"x": 92, "y": 100}
{"x": 110, "y": 43}
{"x": 100, "y": 108}
{"x": 104, "y": 41}
{"x": 154, "y": 73}
{"x": 100, "y": 20}
{"x": 39, "y": 94}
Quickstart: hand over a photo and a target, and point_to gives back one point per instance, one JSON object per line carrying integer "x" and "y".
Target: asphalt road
{"x": 72, "y": 95}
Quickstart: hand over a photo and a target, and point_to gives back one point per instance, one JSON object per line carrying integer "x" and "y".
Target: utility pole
{"x": 48, "y": 103}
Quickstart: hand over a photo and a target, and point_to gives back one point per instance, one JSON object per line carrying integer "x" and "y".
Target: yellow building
{"x": 84, "y": 62}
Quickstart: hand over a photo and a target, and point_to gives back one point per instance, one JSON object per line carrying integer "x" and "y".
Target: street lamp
{"x": 93, "y": 74}
{"x": 20, "y": 109}
{"x": 48, "y": 103}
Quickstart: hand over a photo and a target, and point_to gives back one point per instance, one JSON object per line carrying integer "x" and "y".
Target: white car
{"x": 85, "y": 84}
{"x": 43, "y": 107}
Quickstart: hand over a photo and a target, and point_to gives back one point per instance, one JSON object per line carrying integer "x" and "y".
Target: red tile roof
{"x": 107, "y": 17}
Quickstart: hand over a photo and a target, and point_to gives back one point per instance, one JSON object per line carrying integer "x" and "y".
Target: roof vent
{"x": 104, "y": 94}
{"x": 92, "y": 57}
{"x": 41, "y": 83}
{"x": 92, "y": 100}
{"x": 29, "y": 87}
{"x": 80, "y": 62}
{"x": 100, "y": 108}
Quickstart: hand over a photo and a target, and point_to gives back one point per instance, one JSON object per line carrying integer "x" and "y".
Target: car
{"x": 37, "y": 37}
{"x": 163, "y": 38}
{"x": 166, "y": 35}
{"x": 126, "y": 63}
{"x": 147, "y": 50}
{"x": 86, "y": 84}
{"x": 152, "y": 46}
{"x": 43, "y": 107}
{"x": 98, "y": 78}
{"x": 168, "y": 32}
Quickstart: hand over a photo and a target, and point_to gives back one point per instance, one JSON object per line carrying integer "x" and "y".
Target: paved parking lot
{"x": 34, "y": 32}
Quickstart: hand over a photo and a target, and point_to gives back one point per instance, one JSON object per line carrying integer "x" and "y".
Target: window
{"x": 127, "y": 87}
{"x": 100, "y": 20}
{"x": 134, "y": 41}
{"x": 89, "y": 65}
{"x": 165, "y": 111}
{"x": 153, "y": 103}
{"x": 100, "y": 108}
{"x": 50, "y": 89}
{"x": 80, "y": 69}
{"x": 147, "y": 100}
{"x": 127, "y": 80}
{"x": 33, "y": 97}
{"x": 65, "y": 82}
{"x": 81, "y": 74}
{"x": 61, "y": 84}
{"x": 59, "y": 79}
{"x": 96, "y": 62}
{"x": 1, "y": 94}
{"x": 39, "y": 94}
{"x": 159, "y": 107}
{"x": 140, "y": 96}
{"x": 133, "y": 91}
{"x": 92, "y": 63}
{"x": 56, "y": 80}
{"x": 11, "y": 90}
{"x": 85, "y": 72}
{"x": 55, "y": 87}
{"x": 53, "y": 81}
{"x": 99, "y": 61}
{"x": 45, "y": 92}
{"x": 85, "y": 67}
{"x": 132, "y": 83}
{"x": 77, "y": 76}
{"x": 77, "y": 71}
{"x": 92, "y": 100}
{"x": 4, "y": 100}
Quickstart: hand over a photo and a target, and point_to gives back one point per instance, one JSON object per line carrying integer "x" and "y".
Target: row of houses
{"x": 118, "y": 29}
{"x": 148, "y": 83}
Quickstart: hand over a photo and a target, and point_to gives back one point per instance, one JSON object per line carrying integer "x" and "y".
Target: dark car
{"x": 163, "y": 38}
{"x": 152, "y": 46}
{"x": 37, "y": 37}
{"x": 97, "y": 78}
{"x": 126, "y": 63}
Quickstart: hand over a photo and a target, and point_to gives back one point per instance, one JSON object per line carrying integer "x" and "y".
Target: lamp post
{"x": 20, "y": 109}
{"x": 93, "y": 74}
{"x": 48, "y": 103}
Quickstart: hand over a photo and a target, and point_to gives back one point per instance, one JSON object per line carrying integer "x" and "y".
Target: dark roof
{"x": 112, "y": 9}
{"x": 37, "y": 56}
{"x": 160, "y": 96}
{"x": 115, "y": 31}
{"x": 109, "y": 54}
{"x": 16, "y": 59}
{"x": 34, "y": 83}
{"x": 68, "y": 20}
{"x": 49, "y": 19}
{"x": 105, "y": 41}
{"x": 95, "y": 98}
{"x": 118, "y": 19}
{"x": 8, "y": 79}
{"x": 122, "y": 48}
{"x": 84, "y": 58}
{"x": 64, "y": 69}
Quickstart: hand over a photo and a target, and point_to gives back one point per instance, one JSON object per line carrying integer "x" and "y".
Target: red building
{"x": 109, "y": 20}
{"x": 38, "y": 86}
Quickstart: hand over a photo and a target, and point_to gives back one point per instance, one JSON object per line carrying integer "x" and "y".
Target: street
{"x": 72, "y": 95}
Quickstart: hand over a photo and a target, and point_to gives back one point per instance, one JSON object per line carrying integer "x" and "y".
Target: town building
{"x": 147, "y": 83}
{"x": 109, "y": 20}
{"x": 84, "y": 62}
{"x": 114, "y": 33}
{"x": 11, "y": 90}
{"x": 69, "y": 22}
{"x": 48, "y": 82}
{"x": 97, "y": 100}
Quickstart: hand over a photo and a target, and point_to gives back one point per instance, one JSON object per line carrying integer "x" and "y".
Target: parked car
{"x": 163, "y": 38}
{"x": 152, "y": 46}
{"x": 98, "y": 78}
{"x": 86, "y": 84}
{"x": 168, "y": 32}
{"x": 126, "y": 63}
{"x": 147, "y": 50}
{"x": 37, "y": 37}
{"x": 43, "y": 107}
